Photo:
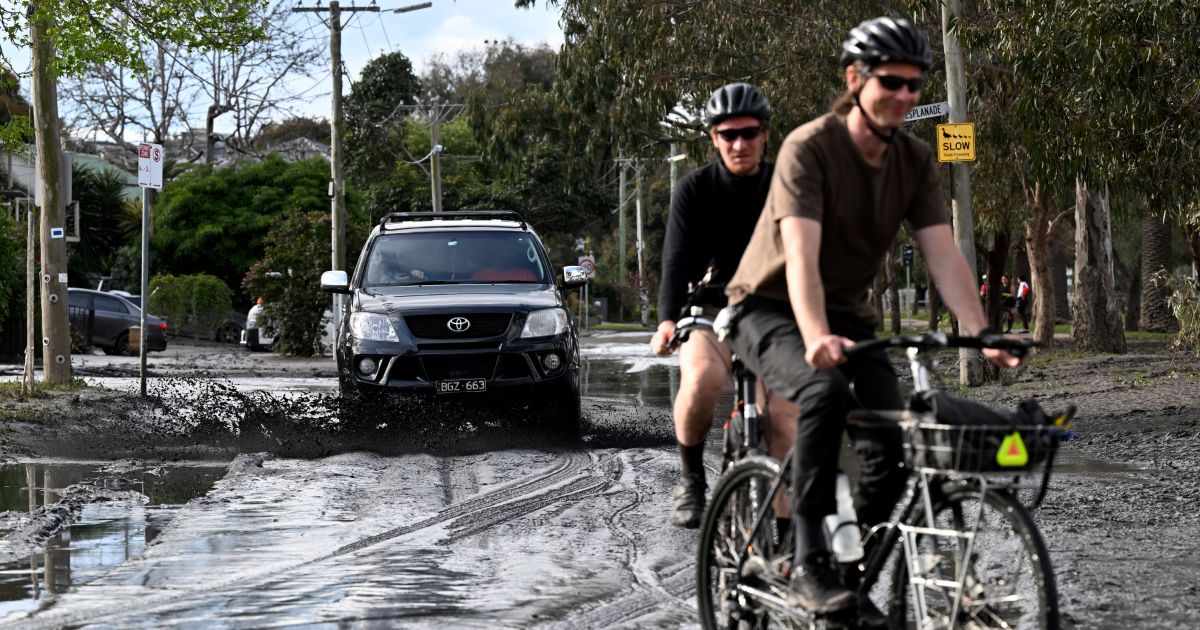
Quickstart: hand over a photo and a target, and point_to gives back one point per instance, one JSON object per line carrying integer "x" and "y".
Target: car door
{"x": 79, "y": 313}
{"x": 112, "y": 319}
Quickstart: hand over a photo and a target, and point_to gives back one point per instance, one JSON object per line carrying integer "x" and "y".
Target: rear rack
{"x": 462, "y": 214}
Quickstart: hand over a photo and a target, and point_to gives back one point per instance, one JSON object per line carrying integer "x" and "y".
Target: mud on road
{"x": 240, "y": 495}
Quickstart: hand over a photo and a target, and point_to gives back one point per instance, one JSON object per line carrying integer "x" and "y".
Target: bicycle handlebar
{"x": 935, "y": 340}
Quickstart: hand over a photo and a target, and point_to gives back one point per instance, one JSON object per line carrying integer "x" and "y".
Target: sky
{"x": 449, "y": 26}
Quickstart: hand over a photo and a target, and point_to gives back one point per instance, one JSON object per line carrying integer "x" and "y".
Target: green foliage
{"x": 214, "y": 221}
{"x": 288, "y": 278}
{"x": 1185, "y": 305}
{"x": 376, "y": 120}
{"x": 198, "y": 302}
{"x": 12, "y": 265}
{"x": 104, "y": 229}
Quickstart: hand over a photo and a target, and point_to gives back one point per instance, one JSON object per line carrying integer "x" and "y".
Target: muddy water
{"x": 473, "y": 523}
{"x": 126, "y": 508}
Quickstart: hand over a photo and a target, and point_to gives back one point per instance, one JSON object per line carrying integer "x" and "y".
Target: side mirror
{"x": 335, "y": 282}
{"x": 574, "y": 276}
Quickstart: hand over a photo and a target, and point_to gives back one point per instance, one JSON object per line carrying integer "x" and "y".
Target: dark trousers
{"x": 768, "y": 341}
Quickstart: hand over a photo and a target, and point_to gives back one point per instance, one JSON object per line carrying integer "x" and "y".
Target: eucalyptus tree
{"x": 1099, "y": 105}
{"x": 67, "y": 37}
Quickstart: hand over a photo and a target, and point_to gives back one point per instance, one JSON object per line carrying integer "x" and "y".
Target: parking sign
{"x": 150, "y": 165}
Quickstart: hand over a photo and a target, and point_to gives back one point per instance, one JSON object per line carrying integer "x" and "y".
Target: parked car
{"x": 103, "y": 320}
{"x": 228, "y": 331}
{"x": 459, "y": 304}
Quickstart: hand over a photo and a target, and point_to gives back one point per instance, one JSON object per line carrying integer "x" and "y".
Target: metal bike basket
{"x": 977, "y": 448}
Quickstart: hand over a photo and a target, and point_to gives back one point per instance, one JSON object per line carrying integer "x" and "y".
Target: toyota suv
{"x": 459, "y": 304}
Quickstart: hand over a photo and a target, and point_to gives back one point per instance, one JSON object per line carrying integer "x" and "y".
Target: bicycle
{"x": 962, "y": 552}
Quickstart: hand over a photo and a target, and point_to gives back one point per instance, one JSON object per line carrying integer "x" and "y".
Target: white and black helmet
{"x": 736, "y": 99}
{"x": 884, "y": 40}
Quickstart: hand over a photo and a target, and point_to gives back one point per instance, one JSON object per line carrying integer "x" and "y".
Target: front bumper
{"x": 509, "y": 366}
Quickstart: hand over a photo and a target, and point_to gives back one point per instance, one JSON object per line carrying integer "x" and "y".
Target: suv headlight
{"x": 544, "y": 323}
{"x": 373, "y": 326}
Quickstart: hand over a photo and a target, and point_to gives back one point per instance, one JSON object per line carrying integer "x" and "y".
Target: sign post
{"x": 150, "y": 175}
{"x": 588, "y": 262}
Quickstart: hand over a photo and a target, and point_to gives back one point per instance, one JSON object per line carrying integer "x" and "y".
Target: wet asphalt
{"x": 240, "y": 496}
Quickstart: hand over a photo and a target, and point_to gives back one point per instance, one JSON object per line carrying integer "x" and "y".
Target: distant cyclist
{"x": 713, "y": 212}
{"x": 842, "y": 186}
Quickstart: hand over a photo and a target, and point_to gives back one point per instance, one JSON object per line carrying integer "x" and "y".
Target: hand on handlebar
{"x": 660, "y": 342}
{"x": 826, "y": 352}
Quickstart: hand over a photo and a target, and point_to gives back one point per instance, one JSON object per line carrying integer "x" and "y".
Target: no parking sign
{"x": 589, "y": 265}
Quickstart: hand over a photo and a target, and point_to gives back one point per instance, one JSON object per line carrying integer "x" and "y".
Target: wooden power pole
{"x": 56, "y": 337}
{"x": 970, "y": 364}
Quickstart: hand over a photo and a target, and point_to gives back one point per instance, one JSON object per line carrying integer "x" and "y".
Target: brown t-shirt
{"x": 821, "y": 175}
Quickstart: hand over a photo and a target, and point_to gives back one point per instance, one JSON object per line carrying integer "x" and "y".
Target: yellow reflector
{"x": 1012, "y": 451}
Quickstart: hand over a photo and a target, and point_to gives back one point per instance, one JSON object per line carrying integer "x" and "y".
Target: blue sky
{"x": 449, "y": 26}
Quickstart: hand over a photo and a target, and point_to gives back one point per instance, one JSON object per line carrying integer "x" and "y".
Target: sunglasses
{"x": 892, "y": 83}
{"x": 746, "y": 133}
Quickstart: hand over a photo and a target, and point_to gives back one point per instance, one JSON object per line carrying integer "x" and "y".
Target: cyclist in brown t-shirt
{"x": 843, "y": 184}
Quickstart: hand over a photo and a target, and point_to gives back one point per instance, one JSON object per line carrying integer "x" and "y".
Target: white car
{"x": 256, "y": 337}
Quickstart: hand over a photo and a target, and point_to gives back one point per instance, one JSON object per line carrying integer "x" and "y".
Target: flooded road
{"x": 464, "y": 522}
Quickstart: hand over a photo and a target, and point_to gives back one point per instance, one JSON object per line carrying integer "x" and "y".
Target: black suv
{"x": 459, "y": 304}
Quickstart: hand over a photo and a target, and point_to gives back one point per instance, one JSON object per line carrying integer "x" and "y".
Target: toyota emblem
{"x": 458, "y": 324}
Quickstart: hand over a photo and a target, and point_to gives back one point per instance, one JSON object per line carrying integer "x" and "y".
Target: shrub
{"x": 288, "y": 278}
{"x": 1185, "y": 304}
{"x": 198, "y": 302}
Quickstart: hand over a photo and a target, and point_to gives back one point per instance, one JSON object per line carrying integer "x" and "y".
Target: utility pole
{"x": 435, "y": 156}
{"x": 644, "y": 297}
{"x": 622, "y": 193}
{"x": 337, "y": 184}
{"x": 56, "y": 340}
{"x": 970, "y": 365}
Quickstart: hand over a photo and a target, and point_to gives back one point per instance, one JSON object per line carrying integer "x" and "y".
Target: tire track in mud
{"x": 569, "y": 479}
{"x": 646, "y": 593}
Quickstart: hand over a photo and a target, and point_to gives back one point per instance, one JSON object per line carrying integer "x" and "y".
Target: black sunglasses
{"x": 892, "y": 83}
{"x": 747, "y": 133}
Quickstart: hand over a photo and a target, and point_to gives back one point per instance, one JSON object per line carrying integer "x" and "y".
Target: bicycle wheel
{"x": 1007, "y": 582}
{"x": 724, "y": 532}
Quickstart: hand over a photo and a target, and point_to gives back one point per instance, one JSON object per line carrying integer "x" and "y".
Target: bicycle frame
{"x": 918, "y": 498}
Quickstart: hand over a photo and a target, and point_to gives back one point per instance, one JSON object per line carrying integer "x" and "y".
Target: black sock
{"x": 693, "y": 460}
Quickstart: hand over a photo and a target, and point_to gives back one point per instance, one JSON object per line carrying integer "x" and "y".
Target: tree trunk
{"x": 1060, "y": 238}
{"x": 1096, "y": 321}
{"x": 1191, "y": 233}
{"x": 997, "y": 256}
{"x": 56, "y": 335}
{"x": 1156, "y": 316}
{"x": 893, "y": 291}
{"x": 877, "y": 299}
{"x": 210, "y": 140}
{"x": 1039, "y": 245}
{"x": 934, "y": 303}
{"x": 1133, "y": 304}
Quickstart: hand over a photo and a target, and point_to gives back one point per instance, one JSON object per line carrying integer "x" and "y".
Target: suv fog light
{"x": 551, "y": 361}
{"x": 367, "y": 366}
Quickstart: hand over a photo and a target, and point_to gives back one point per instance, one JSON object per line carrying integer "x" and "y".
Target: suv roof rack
{"x": 461, "y": 214}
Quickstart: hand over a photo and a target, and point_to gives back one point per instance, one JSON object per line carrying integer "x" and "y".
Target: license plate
{"x": 466, "y": 385}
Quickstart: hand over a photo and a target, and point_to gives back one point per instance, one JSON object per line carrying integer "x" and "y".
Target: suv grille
{"x": 481, "y": 325}
{"x": 445, "y": 366}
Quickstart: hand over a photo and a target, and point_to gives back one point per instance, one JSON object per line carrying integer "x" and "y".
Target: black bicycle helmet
{"x": 737, "y": 99}
{"x": 883, "y": 40}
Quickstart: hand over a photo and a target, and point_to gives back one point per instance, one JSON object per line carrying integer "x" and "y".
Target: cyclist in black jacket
{"x": 713, "y": 213}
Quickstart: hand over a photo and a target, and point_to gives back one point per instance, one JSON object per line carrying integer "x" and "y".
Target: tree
{"x": 376, "y": 119}
{"x": 275, "y": 133}
{"x": 214, "y": 220}
{"x": 103, "y": 228}
{"x": 65, "y": 38}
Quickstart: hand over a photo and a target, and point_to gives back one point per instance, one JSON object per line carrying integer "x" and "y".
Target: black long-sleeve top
{"x": 713, "y": 214}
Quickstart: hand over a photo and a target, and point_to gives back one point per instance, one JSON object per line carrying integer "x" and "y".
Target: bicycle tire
{"x": 1010, "y": 583}
{"x": 723, "y": 532}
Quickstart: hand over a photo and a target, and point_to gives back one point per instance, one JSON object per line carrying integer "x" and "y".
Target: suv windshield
{"x": 454, "y": 257}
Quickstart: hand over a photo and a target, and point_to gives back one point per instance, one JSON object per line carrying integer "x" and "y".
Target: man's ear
{"x": 853, "y": 78}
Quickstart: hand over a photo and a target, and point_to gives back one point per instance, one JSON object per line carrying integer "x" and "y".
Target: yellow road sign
{"x": 956, "y": 142}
